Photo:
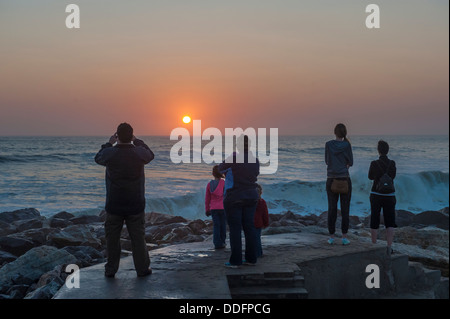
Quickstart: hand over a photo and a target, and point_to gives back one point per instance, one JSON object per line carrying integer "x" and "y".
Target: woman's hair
{"x": 216, "y": 173}
{"x": 259, "y": 188}
{"x": 383, "y": 147}
{"x": 341, "y": 131}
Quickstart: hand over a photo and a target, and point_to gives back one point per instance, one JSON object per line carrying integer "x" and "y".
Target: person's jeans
{"x": 259, "y": 251}
{"x": 219, "y": 227}
{"x": 332, "y": 207}
{"x": 240, "y": 216}
{"x": 136, "y": 229}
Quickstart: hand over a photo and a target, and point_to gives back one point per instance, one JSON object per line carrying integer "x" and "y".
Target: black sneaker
{"x": 146, "y": 273}
{"x": 109, "y": 275}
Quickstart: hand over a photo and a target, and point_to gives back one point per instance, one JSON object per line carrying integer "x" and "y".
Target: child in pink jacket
{"x": 214, "y": 208}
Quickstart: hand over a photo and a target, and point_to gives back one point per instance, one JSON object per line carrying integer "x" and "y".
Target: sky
{"x": 299, "y": 66}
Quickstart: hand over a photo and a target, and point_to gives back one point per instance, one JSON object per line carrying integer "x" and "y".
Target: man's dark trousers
{"x": 136, "y": 229}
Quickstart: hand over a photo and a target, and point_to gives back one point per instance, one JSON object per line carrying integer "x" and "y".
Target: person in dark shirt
{"x": 382, "y": 201}
{"x": 241, "y": 198}
{"x": 125, "y": 197}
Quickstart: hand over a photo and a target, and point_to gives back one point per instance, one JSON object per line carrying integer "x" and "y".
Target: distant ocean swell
{"x": 59, "y": 173}
{"x": 415, "y": 192}
{"x": 55, "y": 157}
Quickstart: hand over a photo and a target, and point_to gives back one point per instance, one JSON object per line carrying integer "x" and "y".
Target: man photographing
{"x": 125, "y": 197}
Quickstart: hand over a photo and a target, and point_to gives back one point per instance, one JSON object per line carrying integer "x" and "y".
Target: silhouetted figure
{"x": 339, "y": 157}
{"x": 125, "y": 197}
{"x": 214, "y": 207}
{"x": 241, "y": 198}
{"x": 382, "y": 195}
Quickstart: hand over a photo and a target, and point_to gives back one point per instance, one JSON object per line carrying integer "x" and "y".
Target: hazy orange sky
{"x": 300, "y": 66}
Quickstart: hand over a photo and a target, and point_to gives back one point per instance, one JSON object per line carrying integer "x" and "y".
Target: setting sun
{"x": 186, "y": 119}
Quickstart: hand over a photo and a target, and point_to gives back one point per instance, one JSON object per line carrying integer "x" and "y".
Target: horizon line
{"x": 280, "y": 135}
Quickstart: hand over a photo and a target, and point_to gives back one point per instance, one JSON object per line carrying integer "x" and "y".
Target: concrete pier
{"x": 296, "y": 265}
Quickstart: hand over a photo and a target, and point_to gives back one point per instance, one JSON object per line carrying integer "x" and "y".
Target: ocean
{"x": 54, "y": 174}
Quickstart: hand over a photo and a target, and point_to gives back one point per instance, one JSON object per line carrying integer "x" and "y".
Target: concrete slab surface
{"x": 196, "y": 270}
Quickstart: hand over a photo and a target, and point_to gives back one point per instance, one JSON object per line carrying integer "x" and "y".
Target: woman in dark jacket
{"x": 338, "y": 157}
{"x": 382, "y": 198}
{"x": 240, "y": 200}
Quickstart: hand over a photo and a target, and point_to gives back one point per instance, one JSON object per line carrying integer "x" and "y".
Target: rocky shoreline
{"x": 34, "y": 250}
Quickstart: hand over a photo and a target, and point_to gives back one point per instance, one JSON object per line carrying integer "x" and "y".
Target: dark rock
{"x": 154, "y": 234}
{"x": 6, "y": 257}
{"x": 62, "y": 271}
{"x": 15, "y": 246}
{"x": 63, "y": 215}
{"x": 289, "y": 216}
{"x": 289, "y": 222}
{"x": 75, "y": 235}
{"x": 444, "y": 211}
{"x": 29, "y": 267}
{"x": 181, "y": 232}
{"x": 49, "y": 276}
{"x": 209, "y": 229}
{"x": 274, "y": 217}
{"x": 100, "y": 234}
{"x": 22, "y": 225}
{"x": 154, "y": 218}
{"x": 21, "y": 214}
{"x": 175, "y": 220}
{"x": 440, "y": 264}
{"x": 177, "y": 234}
{"x": 432, "y": 218}
{"x": 403, "y": 218}
{"x": 86, "y": 219}
{"x": 289, "y": 219}
{"x": 193, "y": 238}
{"x": 37, "y": 236}
{"x": 19, "y": 279}
{"x": 7, "y": 228}
{"x": 275, "y": 224}
{"x": 197, "y": 226}
{"x": 309, "y": 220}
{"x": 59, "y": 222}
{"x": 18, "y": 291}
{"x": 45, "y": 292}
{"x": 272, "y": 230}
{"x": 423, "y": 237}
{"x": 86, "y": 255}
